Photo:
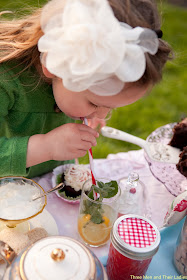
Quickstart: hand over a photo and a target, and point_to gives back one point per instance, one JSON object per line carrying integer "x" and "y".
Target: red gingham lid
{"x": 135, "y": 236}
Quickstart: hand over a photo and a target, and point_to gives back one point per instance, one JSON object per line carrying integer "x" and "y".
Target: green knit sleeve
{"x": 13, "y": 150}
{"x": 13, "y": 156}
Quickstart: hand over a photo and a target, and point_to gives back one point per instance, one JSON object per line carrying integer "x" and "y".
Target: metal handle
{"x": 58, "y": 187}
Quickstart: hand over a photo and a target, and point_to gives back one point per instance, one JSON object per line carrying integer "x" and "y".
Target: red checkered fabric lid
{"x": 135, "y": 237}
{"x": 137, "y": 232}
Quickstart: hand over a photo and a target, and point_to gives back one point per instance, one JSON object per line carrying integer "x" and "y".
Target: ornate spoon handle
{"x": 58, "y": 187}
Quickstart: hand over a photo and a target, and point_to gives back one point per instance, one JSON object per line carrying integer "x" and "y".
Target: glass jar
{"x": 180, "y": 254}
{"x": 131, "y": 195}
{"x": 134, "y": 241}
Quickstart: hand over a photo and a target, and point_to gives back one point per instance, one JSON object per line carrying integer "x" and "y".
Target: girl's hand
{"x": 96, "y": 123}
{"x": 70, "y": 141}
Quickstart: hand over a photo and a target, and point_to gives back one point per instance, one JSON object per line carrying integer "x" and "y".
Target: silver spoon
{"x": 58, "y": 187}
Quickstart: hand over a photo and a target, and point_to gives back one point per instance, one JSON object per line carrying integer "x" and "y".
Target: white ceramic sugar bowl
{"x": 55, "y": 257}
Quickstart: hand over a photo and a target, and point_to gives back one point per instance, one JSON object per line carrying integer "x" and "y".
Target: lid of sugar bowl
{"x": 57, "y": 257}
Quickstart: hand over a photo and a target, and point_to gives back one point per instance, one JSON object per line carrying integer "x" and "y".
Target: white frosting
{"x": 164, "y": 153}
{"x": 76, "y": 175}
{"x": 16, "y": 201}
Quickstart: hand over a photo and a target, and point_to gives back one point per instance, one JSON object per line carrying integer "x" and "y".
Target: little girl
{"x": 70, "y": 60}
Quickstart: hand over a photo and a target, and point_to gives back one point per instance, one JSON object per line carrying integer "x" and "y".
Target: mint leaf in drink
{"x": 96, "y": 218}
{"x": 109, "y": 189}
{"x": 91, "y": 195}
{"x": 96, "y": 190}
{"x": 95, "y": 210}
{"x": 105, "y": 190}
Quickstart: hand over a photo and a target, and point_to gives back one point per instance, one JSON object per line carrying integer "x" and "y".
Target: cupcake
{"x": 73, "y": 176}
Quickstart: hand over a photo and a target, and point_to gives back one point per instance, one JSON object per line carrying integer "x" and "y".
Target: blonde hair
{"x": 19, "y": 37}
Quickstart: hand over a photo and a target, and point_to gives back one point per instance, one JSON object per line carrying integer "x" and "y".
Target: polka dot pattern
{"x": 136, "y": 232}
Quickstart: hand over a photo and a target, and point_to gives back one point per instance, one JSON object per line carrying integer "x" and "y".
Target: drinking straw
{"x": 76, "y": 161}
{"x": 91, "y": 164}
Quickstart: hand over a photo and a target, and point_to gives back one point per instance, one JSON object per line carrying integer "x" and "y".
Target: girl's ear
{"x": 47, "y": 73}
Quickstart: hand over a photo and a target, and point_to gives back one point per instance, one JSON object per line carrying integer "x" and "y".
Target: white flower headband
{"x": 89, "y": 48}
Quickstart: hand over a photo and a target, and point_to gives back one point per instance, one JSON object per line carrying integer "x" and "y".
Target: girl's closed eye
{"x": 93, "y": 105}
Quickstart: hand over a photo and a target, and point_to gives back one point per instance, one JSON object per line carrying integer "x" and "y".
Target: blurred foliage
{"x": 165, "y": 104}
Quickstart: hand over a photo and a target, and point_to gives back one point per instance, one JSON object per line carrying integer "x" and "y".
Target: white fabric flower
{"x": 89, "y": 48}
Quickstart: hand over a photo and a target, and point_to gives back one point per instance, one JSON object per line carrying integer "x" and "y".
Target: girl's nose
{"x": 100, "y": 113}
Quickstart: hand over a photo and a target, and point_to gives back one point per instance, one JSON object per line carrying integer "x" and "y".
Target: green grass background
{"x": 168, "y": 100}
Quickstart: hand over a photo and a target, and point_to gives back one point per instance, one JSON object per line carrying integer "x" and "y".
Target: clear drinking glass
{"x": 96, "y": 218}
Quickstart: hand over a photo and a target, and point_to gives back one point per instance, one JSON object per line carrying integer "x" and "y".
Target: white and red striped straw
{"x": 91, "y": 165}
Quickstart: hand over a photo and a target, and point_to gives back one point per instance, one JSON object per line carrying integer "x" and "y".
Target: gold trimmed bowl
{"x": 14, "y": 202}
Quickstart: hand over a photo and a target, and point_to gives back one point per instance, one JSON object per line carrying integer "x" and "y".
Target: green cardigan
{"x": 27, "y": 107}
